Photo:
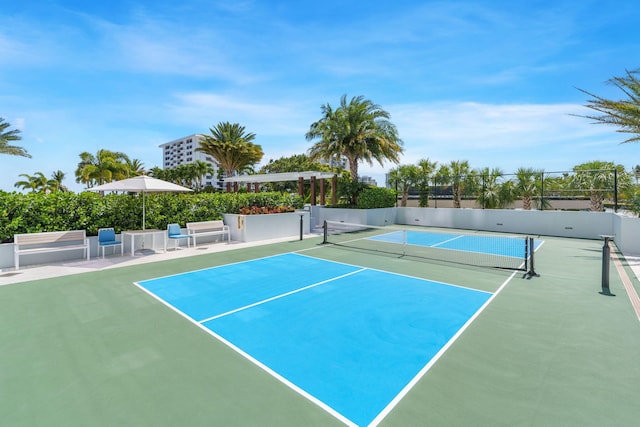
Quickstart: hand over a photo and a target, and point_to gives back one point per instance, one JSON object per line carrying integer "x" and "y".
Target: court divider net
{"x": 505, "y": 252}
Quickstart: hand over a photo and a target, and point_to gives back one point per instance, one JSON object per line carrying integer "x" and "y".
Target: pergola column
{"x": 301, "y": 186}
{"x": 313, "y": 190}
{"x": 322, "y": 193}
{"x": 235, "y": 187}
{"x": 256, "y": 189}
{"x": 228, "y": 187}
{"x": 334, "y": 190}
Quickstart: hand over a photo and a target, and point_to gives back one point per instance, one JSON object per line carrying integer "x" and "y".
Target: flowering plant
{"x": 261, "y": 210}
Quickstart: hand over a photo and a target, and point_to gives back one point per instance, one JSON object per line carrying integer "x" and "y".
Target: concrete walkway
{"x": 36, "y": 272}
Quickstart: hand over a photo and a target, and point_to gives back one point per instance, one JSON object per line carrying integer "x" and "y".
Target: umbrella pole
{"x": 144, "y": 213}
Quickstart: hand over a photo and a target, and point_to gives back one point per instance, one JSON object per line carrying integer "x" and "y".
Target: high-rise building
{"x": 182, "y": 151}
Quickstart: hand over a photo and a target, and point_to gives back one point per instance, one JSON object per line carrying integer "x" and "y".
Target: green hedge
{"x": 376, "y": 197}
{"x": 36, "y": 212}
{"x": 371, "y": 198}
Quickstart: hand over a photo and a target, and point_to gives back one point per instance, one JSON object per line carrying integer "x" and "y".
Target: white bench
{"x": 207, "y": 228}
{"x": 51, "y": 241}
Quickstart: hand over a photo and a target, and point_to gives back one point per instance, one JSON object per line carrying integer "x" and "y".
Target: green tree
{"x": 7, "y": 136}
{"x": 37, "y": 182}
{"x": 597, "y": 178}
{"x": 426, "y": 170}
{"x": 458, "y": 174}
{"x": 55, "y": 183}
{"x": 527, "y": 185}
{"x": 625, "y": 113}
{"x": 105, "y": 166}
{"x": 231, "y": 147}
{"x": 136, "y": 167}
{"x": 404, "y": 177}
{"x": 28, "y": 183}
{"x": 358, "y": 130}
{"x": 492, "y": 194}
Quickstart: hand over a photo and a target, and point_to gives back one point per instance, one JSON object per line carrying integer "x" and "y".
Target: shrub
{"x": 376, "y": 197}
{"x": 37, "y": 212}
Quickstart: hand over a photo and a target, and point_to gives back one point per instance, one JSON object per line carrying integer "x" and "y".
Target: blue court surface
{"x": 493, "y": 245}
{"x": 349, "y": 338}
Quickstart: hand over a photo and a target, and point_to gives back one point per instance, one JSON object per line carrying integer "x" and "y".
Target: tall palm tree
{"x": 105, "y": 166}
{"x": 7, "y": 136}
{"x": 358, "y": 130}
{"x": 231, "y": 147}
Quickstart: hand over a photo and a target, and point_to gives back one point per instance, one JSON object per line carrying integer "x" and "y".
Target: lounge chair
{"x": 107, "y": 237}
{"x": 175, "y": 232}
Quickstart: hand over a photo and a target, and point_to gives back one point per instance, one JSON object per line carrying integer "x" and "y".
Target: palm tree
{"x": 358, "y": 130}
{"x": 527, "y": 185}
{"x": 426, "y": 169}
{"x": 136, "y": 167}
{"x": 458, "y": 174}
{"x": 625, "y": 114}
{"x": 200, "y": 171}
{"x": 29, "y": 183}
{"x": 37, "y": 182}
{"x": 55, "y": 183}
{"x": 231, "y": 147}
{"x": 105, "y": 166}
{"x": 8, "y": 136}
{"x": 404, "y": 177}
{"x": 598, "y": 178}
{"x": 491, "y": 195}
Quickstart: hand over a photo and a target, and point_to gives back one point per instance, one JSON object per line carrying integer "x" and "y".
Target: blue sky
{"x": 489, "y": 81}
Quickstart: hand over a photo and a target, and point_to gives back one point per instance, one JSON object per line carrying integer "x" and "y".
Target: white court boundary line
{"x": 255, "y": 361}
{"x": 437, "y": 356}
{"x": 295, "y": 291}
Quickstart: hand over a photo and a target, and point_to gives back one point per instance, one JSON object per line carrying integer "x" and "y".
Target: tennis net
{"x": 507, "y": 252}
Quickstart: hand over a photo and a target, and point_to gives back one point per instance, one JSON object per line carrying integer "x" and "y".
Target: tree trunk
{"x": 353, "y": 168}
{"x": 596, "y": 201}
{"x": 456, "y": 196}
{"x": 526, "y": 203}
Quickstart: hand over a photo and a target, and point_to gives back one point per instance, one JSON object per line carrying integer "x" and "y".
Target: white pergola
{"x": 300, "y": 177}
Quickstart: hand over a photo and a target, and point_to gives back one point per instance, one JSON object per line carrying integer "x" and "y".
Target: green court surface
{"x": 94, "y": 350}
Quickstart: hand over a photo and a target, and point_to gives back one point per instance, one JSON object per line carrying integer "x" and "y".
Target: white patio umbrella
{"x": 141, "y": 184}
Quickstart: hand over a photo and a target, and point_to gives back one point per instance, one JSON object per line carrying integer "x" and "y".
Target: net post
{"x": 301, "y": 226}
{"x": 325, "y": 233}
{"x": 531, "y": 250}
{"x": 606, "y": 258}
{"x": 404, "y": 242}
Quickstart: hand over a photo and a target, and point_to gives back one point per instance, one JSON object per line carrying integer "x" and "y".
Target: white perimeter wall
{"x": 576, "y": 224}
{"x": 581, "y": 224}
